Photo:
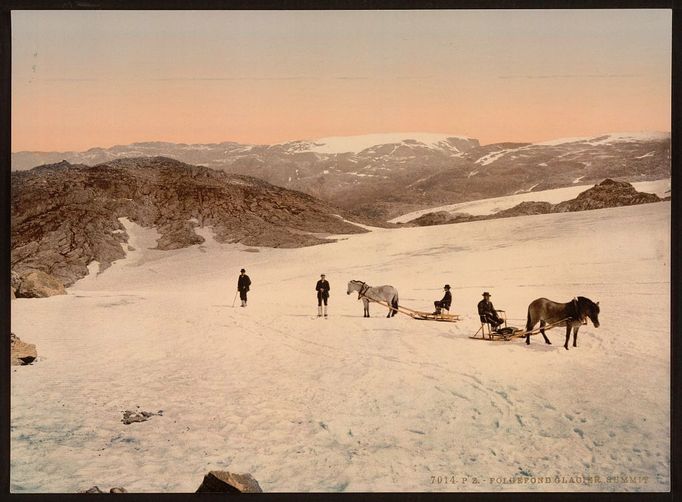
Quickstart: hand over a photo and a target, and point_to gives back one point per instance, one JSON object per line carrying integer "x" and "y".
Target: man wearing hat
{"x": 322, "y": 287}
{"x": 487, "y": 312}
{"x": 243, "y": 284}
{"x": 445, "y": 302}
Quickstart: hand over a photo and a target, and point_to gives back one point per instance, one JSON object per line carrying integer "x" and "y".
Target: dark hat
{"x": 242, "y": 270}
{"x": 322, "y": 275}
{"x": 485, "y": 293}
{"x": 447, "y": 286}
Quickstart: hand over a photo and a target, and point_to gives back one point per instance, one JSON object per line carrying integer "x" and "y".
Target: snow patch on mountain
{"x": 356, "y": 144}
{"x": 614, "y": 137}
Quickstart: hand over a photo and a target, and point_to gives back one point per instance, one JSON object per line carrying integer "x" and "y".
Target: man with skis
{"x": 322, "y": 288}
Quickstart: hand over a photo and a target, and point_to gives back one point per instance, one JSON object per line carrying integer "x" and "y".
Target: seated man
{"x": 487, "y": 312}
{"x": 445, "y": 302}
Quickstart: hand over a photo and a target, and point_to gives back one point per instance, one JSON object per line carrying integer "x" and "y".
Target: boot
{"x": 319, "y": 311}
{"x": 325, "y": 311}
{"x": 243, "y": 303}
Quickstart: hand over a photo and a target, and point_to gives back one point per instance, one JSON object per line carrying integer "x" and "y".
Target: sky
{"x": 83, "y": 79}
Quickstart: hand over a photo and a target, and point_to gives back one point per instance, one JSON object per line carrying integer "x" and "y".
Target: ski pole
{"x": 235, "y": 298}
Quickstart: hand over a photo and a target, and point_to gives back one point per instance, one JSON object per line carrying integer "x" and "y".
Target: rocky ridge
{"x": 65, "y": 216}
{"x": 608, "y": 193}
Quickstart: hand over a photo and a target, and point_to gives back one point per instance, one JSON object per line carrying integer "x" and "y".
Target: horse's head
{"x": 353, "y": 286}
{"x": 590, "y": 309}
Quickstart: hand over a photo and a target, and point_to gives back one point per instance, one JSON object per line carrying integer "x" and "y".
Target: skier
{"x": 445, "y": 302}
{"x": 243, "y": 284}
{"x": 487, "y": 312}
{"x": 322, "y": 287}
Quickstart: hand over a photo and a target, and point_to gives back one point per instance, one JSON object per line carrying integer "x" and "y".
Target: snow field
{"x": 347, "y": 403}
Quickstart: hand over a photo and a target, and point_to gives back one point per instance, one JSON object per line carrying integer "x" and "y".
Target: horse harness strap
{"x": 363, "y": 290}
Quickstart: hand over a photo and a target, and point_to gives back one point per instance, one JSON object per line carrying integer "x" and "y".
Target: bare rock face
{"x": 22, "y": 353}
{"x": 228, "y": 482}
{"x": 66, "y": 216}
{"x": 38, "y": 284}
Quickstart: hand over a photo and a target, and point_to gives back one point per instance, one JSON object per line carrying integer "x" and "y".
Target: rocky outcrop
{"x": 21, "y": 353}
{"x": 228, "y": 482}
{"x": 525, "y": 209}
{"x": 608, "y": 193}
{"x": 130, "y": 417}
{"x": 96, "y": 489}
{"x": 38, "y": 284}
{"x": 442, "y": 218}
{"x": 66, "y": 216}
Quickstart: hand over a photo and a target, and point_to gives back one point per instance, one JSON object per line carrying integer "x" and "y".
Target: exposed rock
{"x": 608, "y": 193}
{"x": 442, "y": 218}
{"x": 228, "y": 482}
{"x": 22, "y": 353}
{"x": 92, "y": 489}
{"x": 525, "y": 208}
{"x": 66, "y": 216}
{"x": 130, "y": 417}
{"x": 96, "y": 489}
{"x": 38, "y": 284}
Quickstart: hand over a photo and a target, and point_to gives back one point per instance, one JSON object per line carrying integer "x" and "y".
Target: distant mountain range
{"x": 385, "y": 175}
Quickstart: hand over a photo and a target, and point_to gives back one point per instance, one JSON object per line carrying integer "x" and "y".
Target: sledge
{"x": 419, "y": 315}
{"x": 505, "y": 333}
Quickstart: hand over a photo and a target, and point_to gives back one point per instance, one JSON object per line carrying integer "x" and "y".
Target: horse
{"x": 386, "y": 294}
{"x": 571, "y": 315}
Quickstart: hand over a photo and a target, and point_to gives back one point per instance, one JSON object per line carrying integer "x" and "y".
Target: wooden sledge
{"x": 507, "y": 333}
{"x": 419, "y": 315}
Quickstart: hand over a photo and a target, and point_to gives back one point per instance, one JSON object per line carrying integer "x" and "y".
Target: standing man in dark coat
{"x": 487, "y": 312}
{"x": 322, "y": 287}
{"x": 243, "y": 284}
{"x": 445, "y": 302}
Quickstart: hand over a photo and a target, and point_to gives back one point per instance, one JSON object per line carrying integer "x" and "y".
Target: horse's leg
{"x": 529, "y": 327}
{"x": 542, "y": 330}
{"x": 366, "y": 305}
{"x": 568, "y": 335}
{"x": 575, "y": 336}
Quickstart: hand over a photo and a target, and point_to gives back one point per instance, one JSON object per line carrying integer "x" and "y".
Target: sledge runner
{"x": 445, "y": 302}
{"x": 243, "y": 284}
{"x": 487, "y": 312}
{"x": 322, "y": 287}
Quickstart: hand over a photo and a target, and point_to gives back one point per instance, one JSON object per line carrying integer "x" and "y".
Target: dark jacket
{"x": 447, "y": 300}
{"x": 243, "y": 283}
{"x": 486, "y": 310}
{"x": 324, "y": 286}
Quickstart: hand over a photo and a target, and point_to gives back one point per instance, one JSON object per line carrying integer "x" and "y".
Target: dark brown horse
{"x": 571, "y": 315}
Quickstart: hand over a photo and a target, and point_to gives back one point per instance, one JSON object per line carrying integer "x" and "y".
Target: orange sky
{"x": 96, "y": 78}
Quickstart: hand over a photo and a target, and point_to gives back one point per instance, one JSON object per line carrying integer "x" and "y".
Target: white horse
{"x": 386, "y": 294}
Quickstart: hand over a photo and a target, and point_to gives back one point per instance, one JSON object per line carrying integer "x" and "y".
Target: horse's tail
{"x": 395, "y": 301}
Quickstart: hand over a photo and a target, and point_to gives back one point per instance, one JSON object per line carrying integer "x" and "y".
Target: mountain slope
{"x": 65, "y": 216}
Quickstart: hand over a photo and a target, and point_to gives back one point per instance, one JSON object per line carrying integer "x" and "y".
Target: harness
{"x": 363, "y": 289}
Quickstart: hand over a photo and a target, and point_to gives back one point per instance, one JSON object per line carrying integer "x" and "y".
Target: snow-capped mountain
{"x": 384, "y": 175}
